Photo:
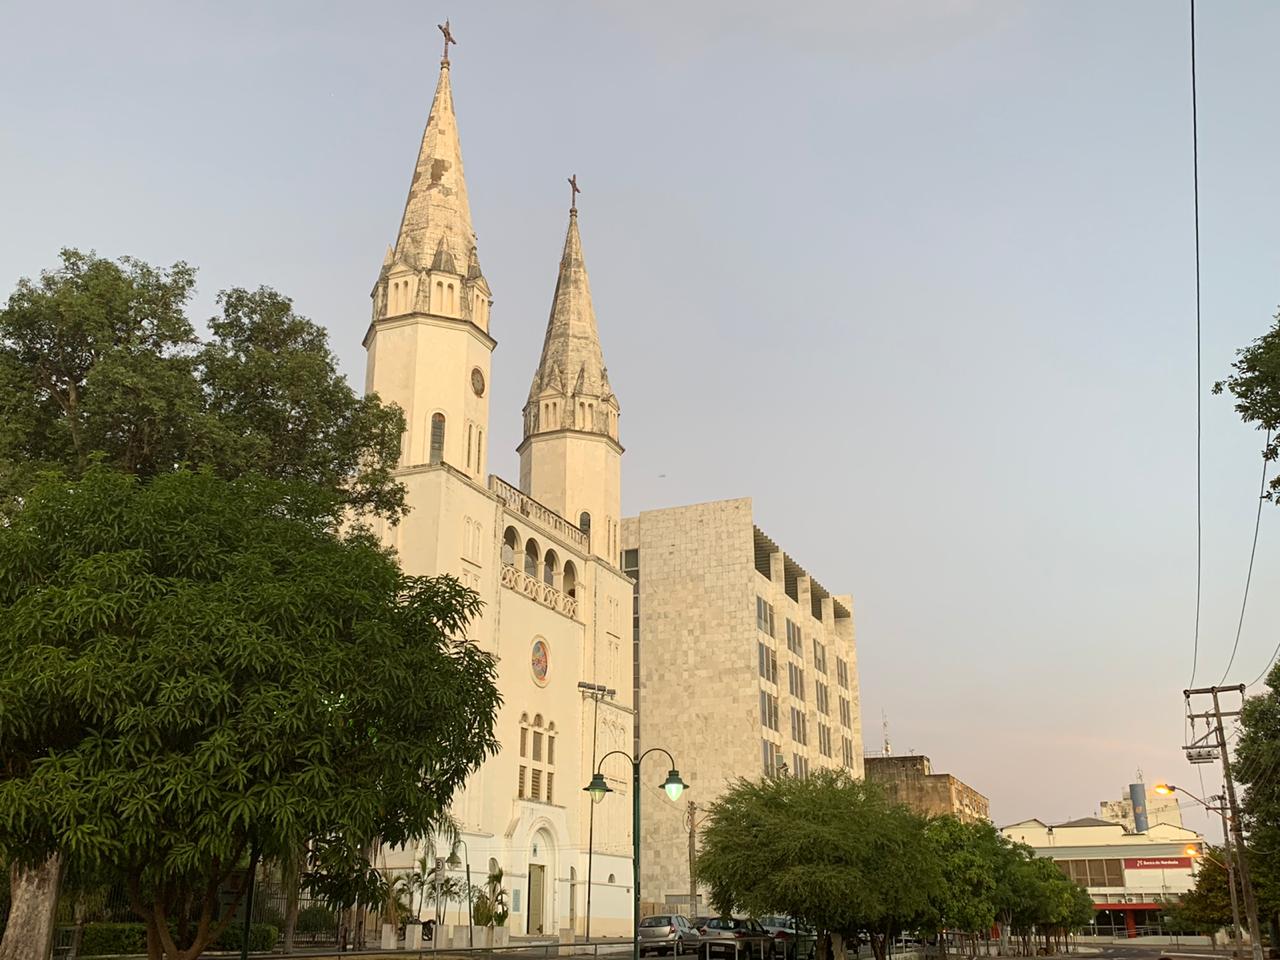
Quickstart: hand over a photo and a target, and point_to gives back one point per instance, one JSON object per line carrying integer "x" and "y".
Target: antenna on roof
{"x": 1140, "y": 780}
{"x": 884, "y": 721}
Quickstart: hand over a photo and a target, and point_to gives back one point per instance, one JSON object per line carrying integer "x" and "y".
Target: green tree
{"x": 1206, "y": 908}
{"x": 1256, "y": 387}
{"x": 99, "y": 358}
{"x": 964, "y": 902}
{"x": 826, "y": 849}
{"x": 1256, "y": 765}
{"x": 199, "y": 673}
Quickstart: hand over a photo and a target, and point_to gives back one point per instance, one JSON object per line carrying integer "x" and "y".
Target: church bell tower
{"x": 429, "y": 347}
{"x": 570, "y": 458}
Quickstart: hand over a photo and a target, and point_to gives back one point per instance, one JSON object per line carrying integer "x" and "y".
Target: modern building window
{"x": 794, "y": 642}
{"x": 764, "y": 615}
{"x": 846, "y": 712}
{"x": 821, "y": 698}
{"x": 437, "y": 438}
{"x": 842, "y": 673}
{"x": 768, "y": 661}
{"x": 795, "y": 681}
{"x": 799, "y": 732}
{"x": 1093, "y": 873}
{"x": 819, "y": 656}
{"x": 768, "y": 710}
{"x": 772, "y": 755}
{"x": 799, "y": 766}
{"x": 824, "y": 739}
{"x": 846, "y": 752}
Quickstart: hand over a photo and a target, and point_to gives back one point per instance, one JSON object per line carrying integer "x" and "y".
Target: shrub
{"x": 107, "y": 939}
{"x": 316, "y": 919}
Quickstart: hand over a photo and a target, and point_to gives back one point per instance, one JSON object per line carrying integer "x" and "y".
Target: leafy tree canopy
{"x": 1257, "y": 766}
{"x": 98, "y": 356}
{"x": 826, "y": 849}
{"x": 1256, "y": 387}
{"x": 194, "y": 667}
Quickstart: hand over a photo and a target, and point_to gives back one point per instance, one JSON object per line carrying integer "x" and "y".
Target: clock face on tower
{"x": 477, "y": 382}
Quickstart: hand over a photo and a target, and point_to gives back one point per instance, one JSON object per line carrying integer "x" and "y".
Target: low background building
{"x": 1157, "y": 809}
{"x": 1130, "y": 876}
{"x": 910, "y": 780}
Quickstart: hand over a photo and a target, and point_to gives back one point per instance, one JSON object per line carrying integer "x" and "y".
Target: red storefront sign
{"x": 1157, "y": 863}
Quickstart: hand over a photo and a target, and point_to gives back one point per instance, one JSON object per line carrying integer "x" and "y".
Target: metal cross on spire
{"x": 573, "y": 194}
{"x": 448, "y": 38}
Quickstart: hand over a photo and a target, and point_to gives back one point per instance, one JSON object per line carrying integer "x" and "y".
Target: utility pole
{"x": 691, "y": 822}
{"x": 1233, "y": 819}
{"x": 597, "y": 692}
{"x": 1221, "y": 810}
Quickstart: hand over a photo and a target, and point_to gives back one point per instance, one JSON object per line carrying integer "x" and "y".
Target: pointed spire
{"x": 437, "y": 206}
{"x": 572, "y": 342}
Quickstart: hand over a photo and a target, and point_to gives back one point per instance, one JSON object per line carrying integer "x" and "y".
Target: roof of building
{"x": 1088, "y": 822}
{"x": 572, "y": 362}
{"x": 436, "y": 227}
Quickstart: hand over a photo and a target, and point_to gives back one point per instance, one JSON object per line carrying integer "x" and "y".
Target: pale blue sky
{"x": 916, "y": 277}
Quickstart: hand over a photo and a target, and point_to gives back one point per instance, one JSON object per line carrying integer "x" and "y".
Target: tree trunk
{"x": 33, "y": 907}
{"x": 291, "y": 916}
{"x": 77, "y": 935}
{"x": 837, "y": 946}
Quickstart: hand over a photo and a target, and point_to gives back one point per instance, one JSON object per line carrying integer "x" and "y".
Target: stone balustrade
{"x": 535, "y": 589}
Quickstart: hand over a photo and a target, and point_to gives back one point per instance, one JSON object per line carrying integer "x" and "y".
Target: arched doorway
{"x": 540, "y": 915}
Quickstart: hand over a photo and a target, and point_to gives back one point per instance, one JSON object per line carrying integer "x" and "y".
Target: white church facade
{"x": 543, "y": 555}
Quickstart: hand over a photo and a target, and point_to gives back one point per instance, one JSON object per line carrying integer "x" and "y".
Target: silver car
{"x": 668, "y": 933}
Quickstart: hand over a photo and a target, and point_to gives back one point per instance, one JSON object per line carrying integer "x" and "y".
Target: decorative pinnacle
{"x": 574, "y": 190}
{"x": 448, "y": 39}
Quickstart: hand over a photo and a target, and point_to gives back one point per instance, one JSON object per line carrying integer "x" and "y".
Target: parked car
{"x": 794, "y": 941}
{"x": 739, "y": 937}
{"x": 668, "y": 933}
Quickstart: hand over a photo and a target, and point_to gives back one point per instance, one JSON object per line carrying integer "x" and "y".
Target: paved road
{"x": 1125, "y": 951}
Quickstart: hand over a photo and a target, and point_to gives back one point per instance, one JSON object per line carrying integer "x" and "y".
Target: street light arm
{"x": 657, "y": 750}
{"x": 1174, "y": 789}
{"x": 621, "y": 753}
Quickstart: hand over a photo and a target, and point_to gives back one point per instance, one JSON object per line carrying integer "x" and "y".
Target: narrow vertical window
{"x": 479, "y": 447}
{"x": 451, "y": 306}
{"x": 584, "y": 522}
{"x": 469, "y": 429}
{"x": 437, "y": 438}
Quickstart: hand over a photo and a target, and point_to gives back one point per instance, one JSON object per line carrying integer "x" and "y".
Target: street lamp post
{"x": 466, "y": 859}
{"x": 597, "y": 692}
{"x": 1235, "y": 851}
{"x": 598, "y": 789}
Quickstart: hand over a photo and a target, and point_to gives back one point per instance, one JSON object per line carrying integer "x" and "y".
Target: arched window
{"x": 510, "y": 544}
{"x": 582, "y": 415}
{"x": 584, "y": 522}
{"x": 437, "y": 438}
{"x": 612, "y": 879}
{"x": 470, "y": 428}
{"x": 531, "y": 557}
{"x": 451, "y": 301}
{"x": 550, "y": 565}
{"x": 479, "y": 448}
{"x": 570, "y": 579}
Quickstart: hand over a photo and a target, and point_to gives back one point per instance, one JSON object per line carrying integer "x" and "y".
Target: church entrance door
{"x": 537, "y": 897}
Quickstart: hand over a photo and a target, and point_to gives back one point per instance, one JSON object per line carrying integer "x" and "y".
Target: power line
{"x": 1244, "y": 603}
{"x": 1195, "y": 173}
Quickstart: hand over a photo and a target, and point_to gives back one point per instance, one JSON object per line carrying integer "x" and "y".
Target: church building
{"x": 543, "y": 555}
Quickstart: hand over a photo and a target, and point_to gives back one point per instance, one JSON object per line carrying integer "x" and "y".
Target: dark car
{"x": 739, "y": 937}
{"x": 793, "y": 939}
{"x": 668, "y": 933}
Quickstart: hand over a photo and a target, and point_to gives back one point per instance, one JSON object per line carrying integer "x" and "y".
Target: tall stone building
{"x": 541, "y": 555}
{"x": 910, "y": 780}
{"x": 743, "y": 665}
